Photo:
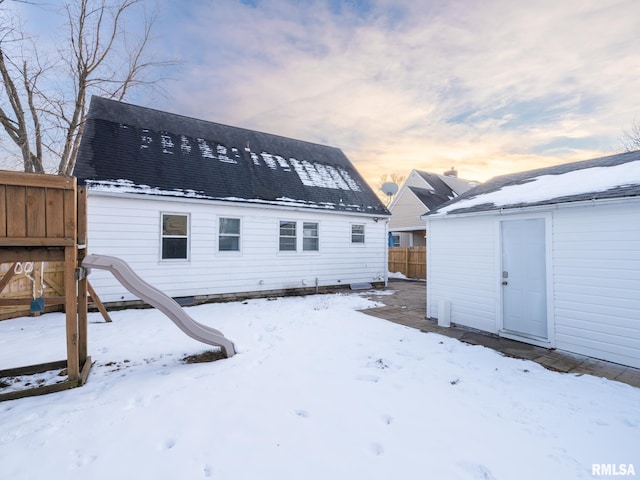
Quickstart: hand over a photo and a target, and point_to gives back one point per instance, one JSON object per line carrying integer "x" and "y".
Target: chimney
{"x": 451, "y": 173}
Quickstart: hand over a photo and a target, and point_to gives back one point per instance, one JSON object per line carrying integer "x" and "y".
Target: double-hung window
{"x": 175, "y": 236}
{"x": 310, "y": 237}
{"x": 229, "y": 235}
{"x": 288, "y": 238}
{"x": 357, "y": 233}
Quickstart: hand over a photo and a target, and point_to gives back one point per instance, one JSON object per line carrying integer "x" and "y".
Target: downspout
{"x": 386, "y": 253}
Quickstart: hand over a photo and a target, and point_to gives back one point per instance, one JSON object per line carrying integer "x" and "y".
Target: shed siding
{"x": 597, "y": 281}
{"x": 130, "y": 229}
{"x": 596, "y": 277}
{"x": 462, "y": 271}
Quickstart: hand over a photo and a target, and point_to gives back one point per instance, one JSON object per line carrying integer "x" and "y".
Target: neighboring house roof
{"x": 440, "y": 189}
{"x": 423, "y": 191}
{"x": 430, "y": 198}
{"x": 608, "y": 177}
{"x": 132, "y": 149}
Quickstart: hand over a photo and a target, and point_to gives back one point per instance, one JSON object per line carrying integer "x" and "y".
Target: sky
{"x": 488, "y": 87}
{"x": 377, "y": 401}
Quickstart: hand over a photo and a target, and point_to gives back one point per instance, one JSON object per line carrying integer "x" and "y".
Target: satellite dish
{"x": 389, "y": 188}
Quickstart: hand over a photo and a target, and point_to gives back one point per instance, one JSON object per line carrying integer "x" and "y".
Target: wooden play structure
{"x": 43, "y": 218}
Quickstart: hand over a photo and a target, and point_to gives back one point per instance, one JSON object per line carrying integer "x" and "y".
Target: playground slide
{"x": 156, "y": 298}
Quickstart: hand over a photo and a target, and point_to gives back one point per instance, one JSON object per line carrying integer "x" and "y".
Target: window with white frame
{"x": 175, "y": 236}
{"x": 229, "y": 235}
{"x": 310, "y": 238}
{"x": 288, "y": 238}
{"x": 357, "y": 233}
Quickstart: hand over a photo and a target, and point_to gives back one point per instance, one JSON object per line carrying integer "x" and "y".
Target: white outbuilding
{"x": 550, "y": 257}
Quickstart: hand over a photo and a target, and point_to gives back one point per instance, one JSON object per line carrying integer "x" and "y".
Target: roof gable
{"x": 126, "y": 148}
{"x": 428, "y": 191}
{"x": 613, "y": 176}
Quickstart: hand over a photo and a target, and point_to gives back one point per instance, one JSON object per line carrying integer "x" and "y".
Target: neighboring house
{"x": 549, "y": 257}
{"x": 420, "y": 193}
{"x": 203, "y": 210}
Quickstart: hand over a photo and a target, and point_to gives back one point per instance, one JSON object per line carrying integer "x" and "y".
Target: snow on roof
{"x": 607, "y": 177}
{"x": 131, "y": 149}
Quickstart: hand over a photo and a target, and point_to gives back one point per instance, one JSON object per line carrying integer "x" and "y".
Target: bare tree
{"x": 630, "y": 139}
{"x": 46, "y": 102}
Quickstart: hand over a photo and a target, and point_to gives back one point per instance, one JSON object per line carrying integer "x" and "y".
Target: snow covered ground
{"x": 318, "y": 390}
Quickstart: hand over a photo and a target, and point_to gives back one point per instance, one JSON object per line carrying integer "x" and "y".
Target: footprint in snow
{"x": 302, "y": 413}
{"x": 376, "y": 449}
{"x": 477, "y": 471}
{"x": 368, "y": 378}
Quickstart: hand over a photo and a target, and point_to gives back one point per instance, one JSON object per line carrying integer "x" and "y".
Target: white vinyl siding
{"x": 597, "y": 281}
{"x": 461, "y": 269}
{"x": 261, "y": 266}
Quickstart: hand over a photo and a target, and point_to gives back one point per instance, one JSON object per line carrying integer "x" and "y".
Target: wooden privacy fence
{"x": 410, "y": 261}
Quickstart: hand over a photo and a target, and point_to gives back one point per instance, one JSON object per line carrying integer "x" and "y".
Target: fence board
{"x": 16, "y": 206}
{"x": 3, "y": 211}
{"x": 410, "y": 261}
{"x": 36, "y": 212}
{"x": 55, "y": 214}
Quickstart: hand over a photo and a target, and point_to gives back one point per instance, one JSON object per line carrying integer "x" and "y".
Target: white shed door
{"x": 524, "y": 286}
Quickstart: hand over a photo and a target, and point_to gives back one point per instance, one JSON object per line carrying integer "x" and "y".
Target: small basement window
{"x": 229, "y": 235}
{"x": 175, "y": 236}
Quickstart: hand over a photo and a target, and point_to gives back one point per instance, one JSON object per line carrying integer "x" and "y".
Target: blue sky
{"x": 489, "y": 87}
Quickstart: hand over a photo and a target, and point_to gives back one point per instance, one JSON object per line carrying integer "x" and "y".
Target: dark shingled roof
{"x": 429, "y": 198}
{"x": 127, "y": 148}
{"x": 441, "y": 191}
{"x": 625, "y": 189}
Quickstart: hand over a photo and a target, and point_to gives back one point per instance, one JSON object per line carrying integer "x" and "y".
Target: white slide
{"x": 158, "y": 299}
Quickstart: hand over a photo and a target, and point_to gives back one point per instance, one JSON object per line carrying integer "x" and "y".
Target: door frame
{"x": 550, "y": 341}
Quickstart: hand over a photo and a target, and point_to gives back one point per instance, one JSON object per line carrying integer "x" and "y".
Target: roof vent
{"x": 451, "y": 173}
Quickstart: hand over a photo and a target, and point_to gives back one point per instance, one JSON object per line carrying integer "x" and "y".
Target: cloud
{"x": 490, "y": 87}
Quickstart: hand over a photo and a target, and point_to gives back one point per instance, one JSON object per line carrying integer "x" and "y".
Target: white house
{"x": 421, "y": 192}
{"x": 202, "y": 210}
{"x": 550, "y": 257}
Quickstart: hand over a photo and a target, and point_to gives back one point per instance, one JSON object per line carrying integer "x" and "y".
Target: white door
{"x": 524, "y": 285}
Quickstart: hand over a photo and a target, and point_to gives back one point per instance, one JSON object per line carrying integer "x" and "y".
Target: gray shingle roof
{"x": 127, "y": 148}
{"x": 441, "y": 191}
{"x": 430, "y": 198}
{"x": 514, "y": 184}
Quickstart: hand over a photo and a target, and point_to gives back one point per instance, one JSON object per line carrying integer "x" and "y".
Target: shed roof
{"x": 132, "y": 149}
{"x": 614, "y": 176}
